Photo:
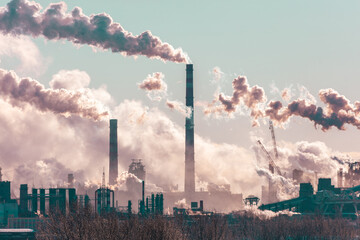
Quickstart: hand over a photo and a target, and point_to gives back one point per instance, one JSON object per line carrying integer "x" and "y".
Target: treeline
{"x": 86, "y": 225}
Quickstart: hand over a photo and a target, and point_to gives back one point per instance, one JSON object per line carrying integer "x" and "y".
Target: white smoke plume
{"x": 286, "y": 187}
{"x": 22, "y": 48}
{"x": 45, "y": 172}
{"x": 180, "y": 107}
{"x": 155, "y": 86}
{"x": 267, "y": 214}
{"x": 23, "y": 17}
{"x": 243, "y": 95}
{"x": 20, "y": 92}
{"x": 70, "y": 80}
{"x": 217, "y": 74}
{"x": 315, "y": 159}
{"x": 286, "y": 94}
{"x": 182, "y": 204}
{"x": 77, "y": 80}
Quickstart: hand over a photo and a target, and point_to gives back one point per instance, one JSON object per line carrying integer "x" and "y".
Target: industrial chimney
{"x": 113, "y": 152}
{"x": 189, "y": 134}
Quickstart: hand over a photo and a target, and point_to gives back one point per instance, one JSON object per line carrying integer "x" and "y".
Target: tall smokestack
{"x": 113, "y": 152}
{"x": 189, "y": 134}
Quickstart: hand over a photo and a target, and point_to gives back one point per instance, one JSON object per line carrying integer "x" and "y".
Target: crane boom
{"x": 271, "y": 127}
{"x": 272, "y": 164}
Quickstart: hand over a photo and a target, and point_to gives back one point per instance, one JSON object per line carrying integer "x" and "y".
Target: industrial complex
{"x": 35, "y": 204}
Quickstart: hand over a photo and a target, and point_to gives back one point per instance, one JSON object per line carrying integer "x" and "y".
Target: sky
{"x": 308, "y": 45}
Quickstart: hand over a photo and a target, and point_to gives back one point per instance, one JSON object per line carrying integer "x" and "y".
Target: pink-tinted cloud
{"x": 99, "y": 30}
{"x": 22, "y": 91}
{"x": 155, "y": 86}
{"x": 243, "y": 94}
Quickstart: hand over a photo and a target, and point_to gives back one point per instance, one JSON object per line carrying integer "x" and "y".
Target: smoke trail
{"x": 326, "y": 119}
{"x": 61, "y": 101}
{"x": 99, "y": 30}
{"x": 338, "y": 110}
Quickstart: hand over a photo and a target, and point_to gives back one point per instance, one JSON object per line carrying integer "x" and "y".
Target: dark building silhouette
{"x": 5, "y": 191}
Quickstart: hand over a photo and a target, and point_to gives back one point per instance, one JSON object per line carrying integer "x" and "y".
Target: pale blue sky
{"x": 311, "y": 43}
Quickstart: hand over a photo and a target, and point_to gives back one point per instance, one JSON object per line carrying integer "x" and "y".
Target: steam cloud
{"x": 313, "y": 158}
{"x": 18, "y": 92}
{"x": 87, "y": 141}
{"x": 54, "y": 23}
{"x": 22, "y": 48}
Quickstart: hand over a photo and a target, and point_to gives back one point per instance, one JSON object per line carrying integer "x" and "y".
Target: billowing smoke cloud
{"x": 285, "y": 187}
{"x": 20, "y": 92}
{"x": 46, "y": 172}
{"x": 70, "y": 80}
{"x": 338, "y": 110}
{"x": 21, "y": 47}
{"x": 54, "y": 23}
{"x": 243, "y": 94}
{"x": 29, "y": 140}
{"x": 337, "y": 113}
{"x": 155, "y": 86}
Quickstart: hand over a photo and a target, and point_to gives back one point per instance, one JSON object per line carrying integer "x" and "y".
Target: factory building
{"x": 350, "y": 177}
{"x": 8, "y": 206}
{"x": 328, "y": 200}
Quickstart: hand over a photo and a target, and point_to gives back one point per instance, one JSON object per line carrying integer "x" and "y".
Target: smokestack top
{"x": 189, "y": 67}
{"x": 113, "y": 121}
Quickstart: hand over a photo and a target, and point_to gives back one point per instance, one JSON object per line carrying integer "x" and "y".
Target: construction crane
{"x": 271, "y": 127}
{"x": 272, "y": 165}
